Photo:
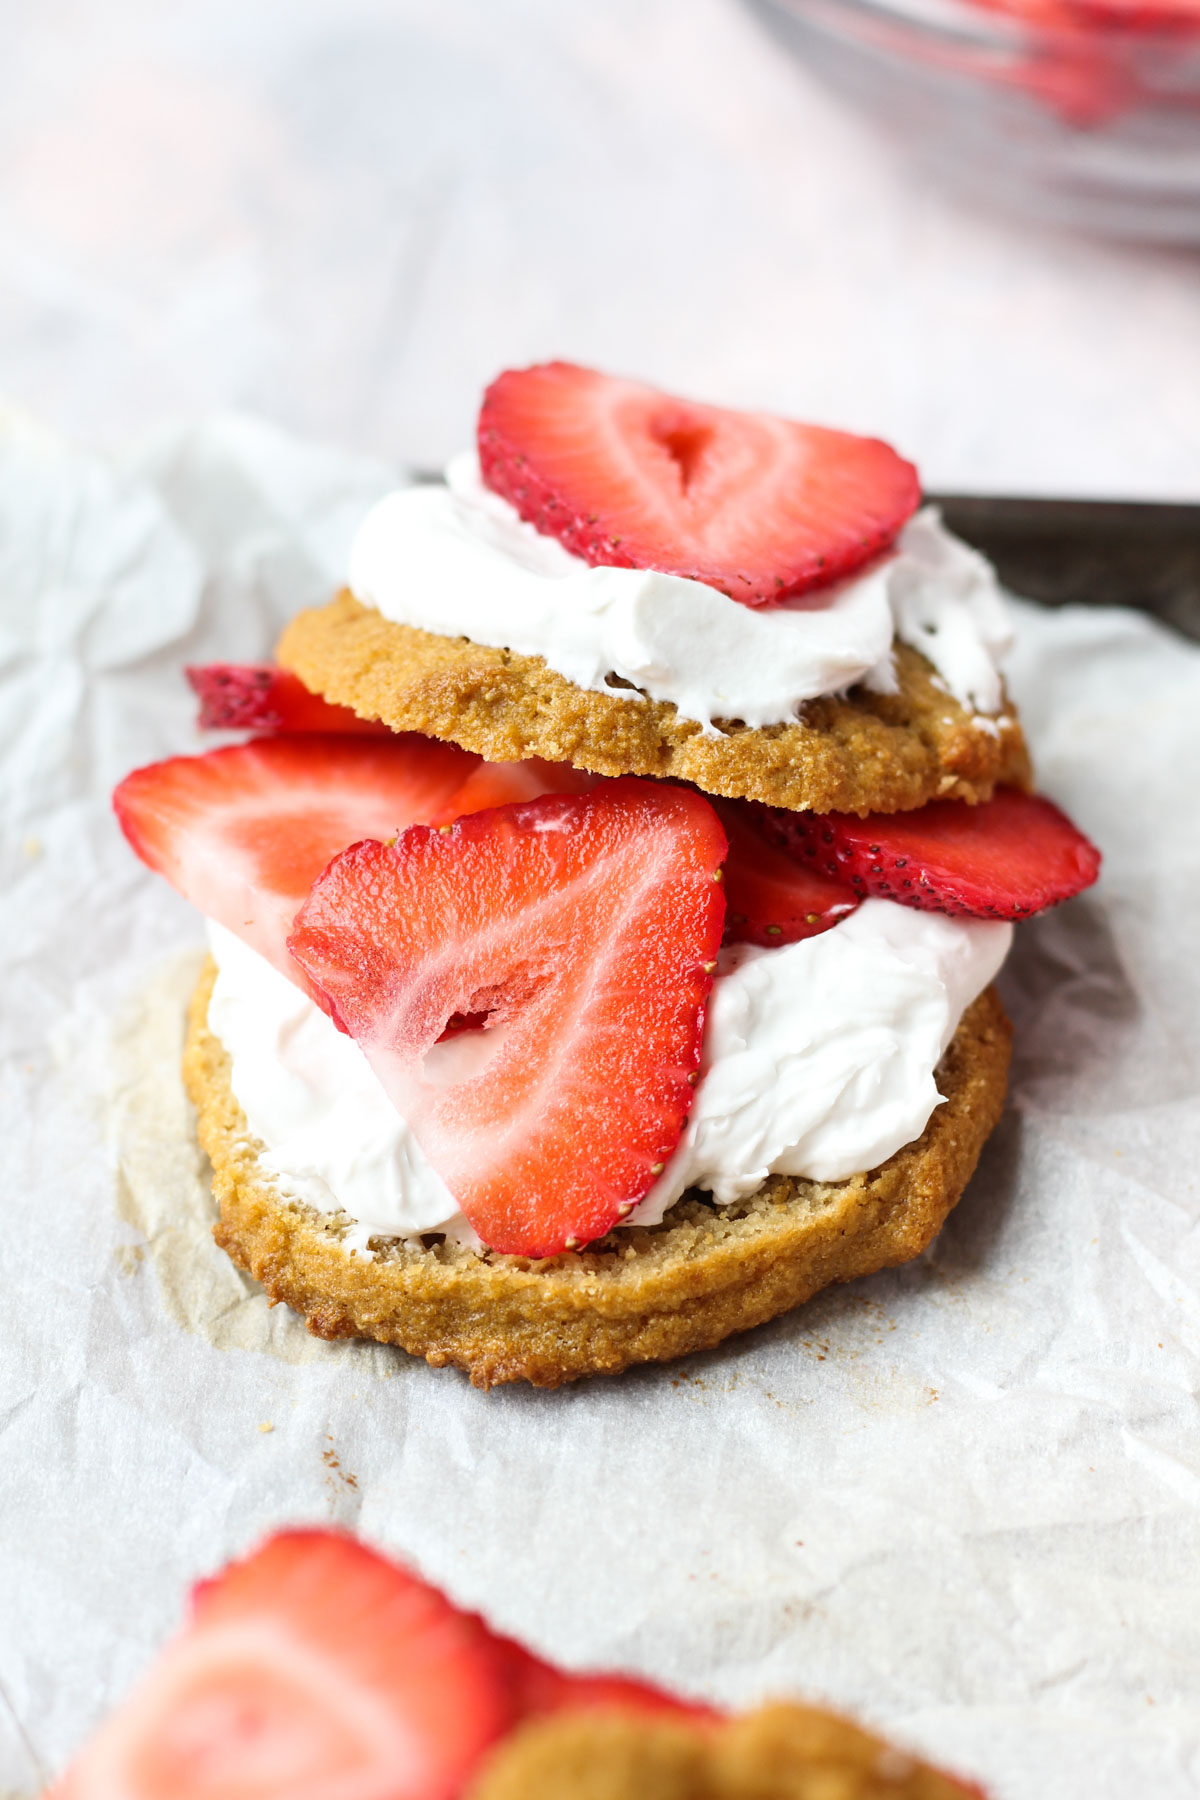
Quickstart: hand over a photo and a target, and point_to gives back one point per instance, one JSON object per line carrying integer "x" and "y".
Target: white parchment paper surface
{"x": 961, "y": 1499}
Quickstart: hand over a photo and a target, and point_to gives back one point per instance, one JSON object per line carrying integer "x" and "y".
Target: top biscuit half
{"x": 672, "y": 521}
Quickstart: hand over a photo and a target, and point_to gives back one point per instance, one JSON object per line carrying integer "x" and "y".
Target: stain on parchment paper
{"x": 163, "y": 1185}
{"x": 341, "y": 1489}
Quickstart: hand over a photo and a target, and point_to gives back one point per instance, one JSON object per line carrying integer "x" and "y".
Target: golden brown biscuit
{"x": 864, "y": 753}
{"x": 597, "y": 1755}
{"x": 637, "y": 1295}
{"x": 777, "y": 1753}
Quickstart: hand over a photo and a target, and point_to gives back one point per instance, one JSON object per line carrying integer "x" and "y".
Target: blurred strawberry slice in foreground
{"x": 316, "y": 1669}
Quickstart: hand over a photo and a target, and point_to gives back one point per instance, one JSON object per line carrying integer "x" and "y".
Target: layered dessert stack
{"x": 604, "y": 909}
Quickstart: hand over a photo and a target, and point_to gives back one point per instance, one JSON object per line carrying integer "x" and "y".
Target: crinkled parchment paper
{"x": 961, "y": 1499}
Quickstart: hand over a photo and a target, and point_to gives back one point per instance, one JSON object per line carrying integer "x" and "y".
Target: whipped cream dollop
{"x": 333, "y": 1138}
{"x": 819, "y": 1060}
{"x": 460, "y": 561}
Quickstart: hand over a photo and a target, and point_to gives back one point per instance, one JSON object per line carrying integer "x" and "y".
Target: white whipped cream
{"x": 459, "y": 560}
{"x": 819, "y": 1059}
{"x": 333, "y": 1138}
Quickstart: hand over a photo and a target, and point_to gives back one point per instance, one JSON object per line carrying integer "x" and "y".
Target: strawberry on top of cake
{"x": 735, "y": 565}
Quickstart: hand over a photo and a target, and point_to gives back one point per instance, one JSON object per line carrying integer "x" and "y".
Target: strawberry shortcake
{"x": 316, "y": 1667}
{"x": 604, "y": 911}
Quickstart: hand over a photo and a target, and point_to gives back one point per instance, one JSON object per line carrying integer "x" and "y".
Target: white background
{"x": 348, "y": 214}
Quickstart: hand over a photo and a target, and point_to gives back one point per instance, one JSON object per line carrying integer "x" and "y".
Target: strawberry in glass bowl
{"x": 1077, "y": 113}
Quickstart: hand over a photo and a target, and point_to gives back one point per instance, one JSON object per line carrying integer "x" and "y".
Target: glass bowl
{"x": 1083, "y": 113}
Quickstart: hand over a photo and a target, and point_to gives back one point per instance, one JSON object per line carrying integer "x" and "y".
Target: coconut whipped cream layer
{"x": 459, "y": 560}
{"x": 819, "y": 1060}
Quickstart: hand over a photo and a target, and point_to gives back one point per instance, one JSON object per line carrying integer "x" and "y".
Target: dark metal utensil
{"x": 1097, "y": 552}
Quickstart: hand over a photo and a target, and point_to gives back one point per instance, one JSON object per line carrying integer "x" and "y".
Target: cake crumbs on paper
{"x": 267, "y": 1425}
{"x": 333, "y": 1463}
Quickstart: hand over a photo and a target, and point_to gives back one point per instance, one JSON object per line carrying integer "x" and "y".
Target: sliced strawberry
{"x": 313, "y": 1668}
{"x": 244, "y": 832}
{"x": 760, "y": 507}
{"x": 770, "y": 897}
{"x": 539, "y": 1688}
{"x": 502, "y": 784}
{"x": 585, "y": 927}
{"x": 1009, "y": 857}
{"x": 1181, "y": 17}
{"x": 316, "y": 1667}
{"x": 261, "y": 697}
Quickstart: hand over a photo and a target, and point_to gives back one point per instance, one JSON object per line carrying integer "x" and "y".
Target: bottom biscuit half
{"x": 638, "y": 1295}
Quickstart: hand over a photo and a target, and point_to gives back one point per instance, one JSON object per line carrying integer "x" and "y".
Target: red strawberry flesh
{"x": 585, "y": 928}
{"x": 503, "y": 784}
{"x": 771, "y": 897}
{"x": 314, "y": 1668}
{"x": 1006, "y": 858}
{"x": 262, "y": 697}
{"x": 762, "y": 508}
{"x": 244, "y": 832}
{"x": 539, "y": 1688}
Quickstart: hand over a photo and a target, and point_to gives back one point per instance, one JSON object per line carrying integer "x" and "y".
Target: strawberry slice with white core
{"x": 244, "y": 832}
{"x": 583, "y": 931}
{"x": 760, "y": 507}
{"x": 1006, "y": 858}
{"x": 503, "y": 784}
{"x": 770, "y": 897}
{"x": 262, "y": 697}
{"x": 316, "y": 1669}
{"x": 313, "y": 1670}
